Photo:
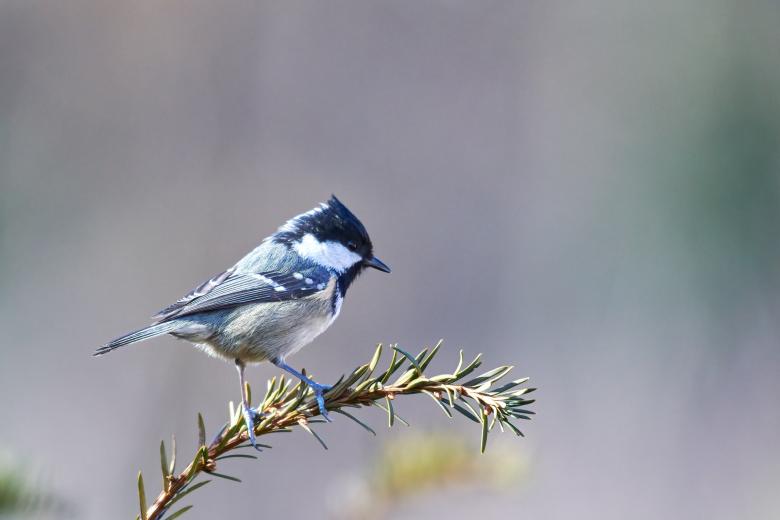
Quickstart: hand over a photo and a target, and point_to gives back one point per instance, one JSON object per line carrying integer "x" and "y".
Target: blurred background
{"x": 587, "y": 190}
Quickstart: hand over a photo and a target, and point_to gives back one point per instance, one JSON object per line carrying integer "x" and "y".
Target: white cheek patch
{"x": 327, "y": 254}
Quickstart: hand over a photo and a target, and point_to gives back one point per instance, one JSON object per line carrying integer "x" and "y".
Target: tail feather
{"x": 138, "y": 335}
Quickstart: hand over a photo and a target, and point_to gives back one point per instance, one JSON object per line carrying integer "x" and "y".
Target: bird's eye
{"x": 352, "y": 246}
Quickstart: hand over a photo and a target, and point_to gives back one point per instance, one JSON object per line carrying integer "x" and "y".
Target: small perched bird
{"x": 275, "y": 300}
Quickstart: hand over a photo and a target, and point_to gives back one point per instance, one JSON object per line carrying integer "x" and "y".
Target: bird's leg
{"x": 319, "y": 389}
{"x": 249, "y": 414}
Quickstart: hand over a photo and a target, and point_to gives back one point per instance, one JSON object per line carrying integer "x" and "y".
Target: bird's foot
{"x": 251, "y": 415}
{"x": 319, "y": 391}
{"x": 317, "y": 388}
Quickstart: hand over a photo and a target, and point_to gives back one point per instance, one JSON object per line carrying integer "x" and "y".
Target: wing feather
{"x": 230, "y": 289}
{"x": 197, "y": 292}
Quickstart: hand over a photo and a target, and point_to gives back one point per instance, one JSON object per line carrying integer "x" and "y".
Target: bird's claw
{"x": 319, "y": 391}
{"x": 317, "y": 388}
{"x": 250, "y": 418}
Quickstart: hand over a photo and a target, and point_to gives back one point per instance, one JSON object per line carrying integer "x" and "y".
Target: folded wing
{"x": 230, "y": 289}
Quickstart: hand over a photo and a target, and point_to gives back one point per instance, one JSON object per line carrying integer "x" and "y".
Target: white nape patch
{"x": 328, "y": 254}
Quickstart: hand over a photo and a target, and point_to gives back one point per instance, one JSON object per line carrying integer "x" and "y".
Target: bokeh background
{"x": 587, "y": 190}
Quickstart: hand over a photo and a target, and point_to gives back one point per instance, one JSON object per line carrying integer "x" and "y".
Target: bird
{"x": 273, "y": 301}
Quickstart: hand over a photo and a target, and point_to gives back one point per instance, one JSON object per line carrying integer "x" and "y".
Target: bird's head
{"x": 333, "y": 237}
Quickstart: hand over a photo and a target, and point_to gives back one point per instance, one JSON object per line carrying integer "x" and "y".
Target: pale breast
{"x": 262, "y": 331}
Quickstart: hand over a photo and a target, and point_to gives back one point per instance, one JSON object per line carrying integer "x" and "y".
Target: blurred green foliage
{"x": 413, "y": 464}
{"x": 22, "y": 496}
{"x": 419, "y": 463}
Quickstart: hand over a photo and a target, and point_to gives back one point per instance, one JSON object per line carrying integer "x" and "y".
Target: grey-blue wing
{"x": 197, "y": 292}
{"x": 242, "y": 288}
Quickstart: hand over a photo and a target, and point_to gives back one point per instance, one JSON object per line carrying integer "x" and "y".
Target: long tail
{"x": 138, "y": 335}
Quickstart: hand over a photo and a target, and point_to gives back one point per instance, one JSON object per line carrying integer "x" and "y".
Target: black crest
{"x": 330, "y": 221}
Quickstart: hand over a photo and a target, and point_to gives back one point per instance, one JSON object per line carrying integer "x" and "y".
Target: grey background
{"x": 587, "y": 190}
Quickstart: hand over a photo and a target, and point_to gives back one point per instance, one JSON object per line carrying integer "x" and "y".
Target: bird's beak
{"x": 376, "y": 264}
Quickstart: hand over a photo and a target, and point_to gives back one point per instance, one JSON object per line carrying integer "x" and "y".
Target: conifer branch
{"x": 289, "y": 404}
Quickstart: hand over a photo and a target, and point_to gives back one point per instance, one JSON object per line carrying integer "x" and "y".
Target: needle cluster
{"x": 288, "y": 405}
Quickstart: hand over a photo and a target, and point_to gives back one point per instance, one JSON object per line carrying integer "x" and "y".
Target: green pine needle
{"x": 288, "y": 405}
